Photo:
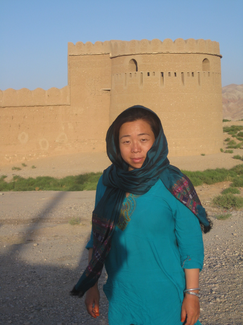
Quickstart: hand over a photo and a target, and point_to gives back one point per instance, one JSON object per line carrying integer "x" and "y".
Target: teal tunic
{"x": 155, "y": 239}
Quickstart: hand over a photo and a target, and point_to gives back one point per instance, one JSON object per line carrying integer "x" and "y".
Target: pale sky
{"x": 34, "y": 34}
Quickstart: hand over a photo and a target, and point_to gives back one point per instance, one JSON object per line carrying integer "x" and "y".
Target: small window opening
{"x": 133, "y": 66}
{"x": 148, "y": 74}
{"x": 175, "y": 74}
{"x": 162, "y": 78}
{"x": 192, "y": 74}
{"x": 205, "y": 65}
{"x": 141, "y": 79}
{"x": 182, "y": 78}
{"x": 169, "y": 74}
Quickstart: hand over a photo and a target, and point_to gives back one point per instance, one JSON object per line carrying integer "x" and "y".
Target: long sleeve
{"x": 189, "y": 238}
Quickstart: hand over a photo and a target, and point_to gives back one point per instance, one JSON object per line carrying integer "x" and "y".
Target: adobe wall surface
{"x": 180, "y": 81}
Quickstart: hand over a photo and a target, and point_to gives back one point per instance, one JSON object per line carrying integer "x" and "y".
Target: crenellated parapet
{"x": 119, "y": 48}
{"x": 167, "y": 46}
{"x": 38, "y": 97}
{"x": 89, "y": 48}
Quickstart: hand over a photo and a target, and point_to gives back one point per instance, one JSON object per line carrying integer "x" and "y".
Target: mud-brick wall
{"x": 182, "y": 85}
{"x": 180, "y": 81}
{"x": 89, "y": 77}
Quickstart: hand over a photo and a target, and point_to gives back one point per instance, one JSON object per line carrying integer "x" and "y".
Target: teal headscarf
{"x": 119, "y": 181}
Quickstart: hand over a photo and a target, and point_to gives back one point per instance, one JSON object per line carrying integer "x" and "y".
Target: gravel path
{"x": 42, "y": 256}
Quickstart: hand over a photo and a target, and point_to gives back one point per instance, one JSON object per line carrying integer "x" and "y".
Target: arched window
{"x": 205, "y": 65}
{"x": 133, "y": 66}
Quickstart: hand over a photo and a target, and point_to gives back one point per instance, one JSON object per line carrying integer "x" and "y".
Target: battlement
{"x": 89, "y": 48}
{"x": 37, "y": 97}
{"x": 119, "y": 48}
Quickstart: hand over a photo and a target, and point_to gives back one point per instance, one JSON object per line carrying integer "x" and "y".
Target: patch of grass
{"x": 228, "y": 201}
{"x": 209, "y": 176}
{"x": 237, "y": 182}
{"x": 231, "y": 143}
{"x": 228, "y": 151}
{"x": 240, "y": 134}
{"x": 238, "y": 170}
{"x": 227, "y": 139}
{"x": 233, "y": 128}
{"x": 202, "y": 154}
{"x": 69, "y": 183}
{"x": 238, "y": 146}
{"x": 89, "y": 181}
{"x": 225, "y": 120}
{"x": 221, "y": 150}
{"x": 232, "y": 133}
{"x": 223, "y": 216}
{"x": 74, "y": 221}
{"x": 212, "y": 176}
{"x": 16, "y": 168}
{"x": 24, "y": 165}
{"x": 238, "y": 157}
{"x": 232, "y": 190}
{"x": 33, "y": 167}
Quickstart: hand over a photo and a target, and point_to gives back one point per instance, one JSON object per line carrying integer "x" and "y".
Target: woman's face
{"x": 135, "y": 140}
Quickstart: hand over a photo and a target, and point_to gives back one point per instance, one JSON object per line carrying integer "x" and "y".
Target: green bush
{"x": 238, "y": 157}
{"x": 238, "y": 170}
{"x": 231, "y": 143}
{"x": 228, "y": 151}
{"x": 16, "y": 168}
{"x": 240, "y": 134}
{"x": 225, "y": 120}
{"x": 235, "y": 146}
{"x": 237, "y": 182}
{"x": 228, "y": 201}
{"x": 232, "y": 128}
{"x": 227, "y": 139}
{"x": 232, "y": 190}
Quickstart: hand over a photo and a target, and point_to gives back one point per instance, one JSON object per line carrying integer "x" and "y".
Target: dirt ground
{"x": 42, "y": 255}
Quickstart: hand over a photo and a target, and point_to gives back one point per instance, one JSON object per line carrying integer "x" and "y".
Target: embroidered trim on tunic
{"x": 128, "y": 206}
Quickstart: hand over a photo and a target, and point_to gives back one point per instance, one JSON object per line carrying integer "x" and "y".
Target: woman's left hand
{"x": 190, "y": 309}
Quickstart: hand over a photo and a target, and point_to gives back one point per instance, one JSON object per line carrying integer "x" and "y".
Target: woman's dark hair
{"x": 133, "y": 114}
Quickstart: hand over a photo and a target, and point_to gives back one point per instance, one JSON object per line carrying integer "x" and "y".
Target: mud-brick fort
{"x": 180, "y": 81}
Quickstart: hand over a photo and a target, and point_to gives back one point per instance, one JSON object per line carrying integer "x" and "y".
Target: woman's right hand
{"x": 92, "y": 300}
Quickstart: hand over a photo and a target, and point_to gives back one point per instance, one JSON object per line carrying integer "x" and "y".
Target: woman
{"x": 145, "y": 229}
